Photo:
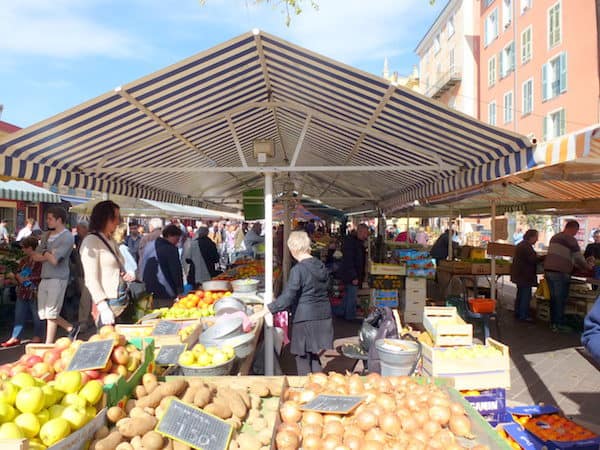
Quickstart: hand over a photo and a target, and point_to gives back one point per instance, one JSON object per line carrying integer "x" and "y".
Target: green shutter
{"x": 563, "y": 122}
{"x": 563, "y": 72}
{"x": 544, "y": 129}
{"x": 545, "y": 82}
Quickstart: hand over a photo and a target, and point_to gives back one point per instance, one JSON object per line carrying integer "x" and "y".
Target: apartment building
{"x": 449, "y": 54}
{"x": 539, "y": 68}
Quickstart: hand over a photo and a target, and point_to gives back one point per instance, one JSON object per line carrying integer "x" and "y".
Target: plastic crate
{"x": 384, "y": 297}
{"x": 482, "y": 305}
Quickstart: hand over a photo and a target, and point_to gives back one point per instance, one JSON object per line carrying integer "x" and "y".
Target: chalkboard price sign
{"x": 336, "y": 404}
{"x": 194, "y": 427}
{"x": 92, "y": 355}
{"x": 164, "y": 327}
{"x": 168, "y": 355}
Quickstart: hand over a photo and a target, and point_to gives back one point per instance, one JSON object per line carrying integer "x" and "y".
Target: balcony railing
{"x": 444, "y": 82}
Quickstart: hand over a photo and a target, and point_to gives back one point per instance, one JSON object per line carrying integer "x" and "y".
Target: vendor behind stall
{"x": 306, "y": 294}
{"x": 439, "y": 250}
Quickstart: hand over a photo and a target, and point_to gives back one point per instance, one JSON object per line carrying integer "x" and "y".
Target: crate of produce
{"x": 420, "y": 268}
{"x": 384, "y": 297}
{"x": 549, "y": 429}
{"x": 490, "y": 403}
{"x": 473, "y": 367}
{"x": 446, "y": 327}
{"x": 386, "y": 281}
{"x": 386, "y": 269}
{"x": 404, "y": 254}
{"x": 481, "y": 268}
{"x": 455, "y": 267}
{"x": 482, "y": 305}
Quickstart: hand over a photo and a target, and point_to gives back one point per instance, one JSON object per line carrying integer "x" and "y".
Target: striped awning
{"x": 186, "y": 133}
{"x": 584, "y": 143}
{"x": 26, "y": 192}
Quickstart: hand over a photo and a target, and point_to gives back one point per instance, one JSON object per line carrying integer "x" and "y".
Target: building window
{"x": 450, "y": 27}
{"x": 488, "y": 2}
{"x": 436, "y": 44}
{"x": 525, "y": 5}
{"x": 507, "y": 60}
{"x": 554, "y": 77}
{"x": 507, "y": 8}
{"x": 508, "y": 107}
{"x": 555, "y": 125}
{"x": 492, "y": 71}
{"x": 451, "y": 60}
{"x": 554, "y": 32}
{"x": 491, "y": 27}
{"x": 528, "y": 97}
{"x": 492, "y": 113}
{"x": 526, "y": 45}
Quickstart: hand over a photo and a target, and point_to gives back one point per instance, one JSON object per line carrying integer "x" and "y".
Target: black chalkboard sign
{"x": 337, "y": 404}
{"x": 92, "y": 355}
{"x": 150, "y": 316}
{"x": 194, "y": 427}
{"x": 168, "y": 355}
{"x": 165, "y": 327}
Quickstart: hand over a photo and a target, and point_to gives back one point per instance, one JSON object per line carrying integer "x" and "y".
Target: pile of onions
{"x": 398, "y": 413}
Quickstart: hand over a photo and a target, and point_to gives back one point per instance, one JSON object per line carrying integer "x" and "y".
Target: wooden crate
{"x": 446, "y": 327}
{"x": 472, "y": 373}
{"x": 413, "y": 316}
{"x": 145, "y": 330}
{"x": 498, "y": 249}
{"x": 455, "y": 267}
{"x": 386, "y": 269}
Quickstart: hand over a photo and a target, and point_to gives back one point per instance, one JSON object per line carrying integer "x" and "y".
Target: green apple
{"x": 7, "y": 413}
{"x": 219, "y": 358}
{"x": 29, "y": 424}
{"x": 92, "y": 391}
{"x": 228, "y": 350}
{"x": 10, "y": 430}
{"x": 30, "y": 399}
{"x": 76, "y": 416}
{"x": 91, "y": 412}
{"x": 187, "y": 358}
{"x": 198, "y": 349}
{"x": 54, "y": 430}
{"x": 204, "y": 360}
{"x": 36, "y": 444}
{"x": 43, "y": 416}
{"x": 22, "y": 380}
{"x": 68, "y": 382}
{"x": 56, "y": 411}
{"x": 74, "y": 400}
{"x": 8, "y": 393}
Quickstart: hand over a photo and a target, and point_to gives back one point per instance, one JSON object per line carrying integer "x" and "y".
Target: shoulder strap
{"x": 111, "y": 249}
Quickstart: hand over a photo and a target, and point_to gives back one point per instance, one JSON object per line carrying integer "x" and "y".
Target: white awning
{"x": 26, "y": 192}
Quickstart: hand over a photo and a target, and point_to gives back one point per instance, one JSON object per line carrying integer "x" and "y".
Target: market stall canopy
{"x": 150, "y": 208}
{"x": 297, "y": 212}
{"x": 26, "y": 192}
{"x": 186, "y": 134}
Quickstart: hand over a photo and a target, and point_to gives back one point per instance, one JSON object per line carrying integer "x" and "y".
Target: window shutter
{"x": 563, "y": 72}
{"x": 501, "y": 63}
{"x": 545, "y": 82}
{"x": 563, "y": 122}
{"x": 486, "y": 32}
{"x": 545, "y": 129}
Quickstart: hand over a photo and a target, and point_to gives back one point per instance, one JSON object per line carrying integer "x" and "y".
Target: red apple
{"x": 120, "y": 355}
{"x": 84, "y": 378}
{"x": 18, "y": 368}
{"x": 119, "y": 369}
{"x": 5, "y": 370}
{"x": 62, "y": 343}
{"x": 32, "y": 360}
{"x": 42, "y": 371}
{"x": 106, "y": 330}
{"x": 51, "y": 356}
{"x": 92, "y": 374}
{"x": 59, "y": 366}
{"x": 108, "y": 366}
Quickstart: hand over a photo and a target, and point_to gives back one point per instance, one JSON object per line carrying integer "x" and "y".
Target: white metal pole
{"x": 268, "y": 272}
{"x": 493, "y": 275}
{"x": 287, "y": 225}
{"x": 450, "y": 247}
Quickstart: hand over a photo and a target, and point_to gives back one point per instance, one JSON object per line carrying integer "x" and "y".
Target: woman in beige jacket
{"x": 103, "y": 264}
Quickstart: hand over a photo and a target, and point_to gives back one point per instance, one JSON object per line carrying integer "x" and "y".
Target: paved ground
{"x": 545, "y": 367}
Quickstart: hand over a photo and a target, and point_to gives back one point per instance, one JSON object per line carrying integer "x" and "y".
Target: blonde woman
{"x": 119, "y": 237}
{"x": 306, "y": 295}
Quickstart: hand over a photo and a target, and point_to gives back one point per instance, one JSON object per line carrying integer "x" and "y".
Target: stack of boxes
{"x": 414, "y": 299}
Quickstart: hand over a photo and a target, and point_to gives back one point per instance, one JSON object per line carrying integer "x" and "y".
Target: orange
{"x": 200, "y": 294}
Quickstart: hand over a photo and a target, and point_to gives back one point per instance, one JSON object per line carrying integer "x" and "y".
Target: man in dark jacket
{"x": 591, "y": 332}
{"x": 208, "y": 250}
{"x": 352, "y": 268}
{"x": 523, "y": 273}
{"x": 439, "y": 249}
{"x": 162, "y": 272}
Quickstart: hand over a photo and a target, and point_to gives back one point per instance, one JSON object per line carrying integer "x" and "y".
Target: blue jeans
{"x": 558, "y": 283}
{"x": 350, "y": 296}
{"x": 523, "y": 300}
{"x": 21, "y": 308}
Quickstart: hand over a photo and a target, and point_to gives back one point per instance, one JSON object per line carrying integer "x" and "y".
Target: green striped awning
{"x": 26, "y": 192}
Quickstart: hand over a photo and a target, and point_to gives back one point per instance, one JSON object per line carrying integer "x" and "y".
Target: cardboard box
{"x": 386, "y": 269}
{"x": 455, "y": 267}
{"x": 491, "y": 404}
{"x": 473, "y": 373}
{"x": 384, "y": 297}
{"x": 413, "y": 316}
{"x": 446, "y": 327}
{"x": 415, "y": 306}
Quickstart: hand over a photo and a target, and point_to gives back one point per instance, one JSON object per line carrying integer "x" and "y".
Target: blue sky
{"x": 55, "y": 54}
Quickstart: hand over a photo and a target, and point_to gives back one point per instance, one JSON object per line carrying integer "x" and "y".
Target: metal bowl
{"x": 229, "y": 305}
{"x": 245, "y": 285}
{"x": 216, "y": 285}
{"x": 243, "y": 344}
{"x": 214, "y": 370}
{"x": 224, "y": 329}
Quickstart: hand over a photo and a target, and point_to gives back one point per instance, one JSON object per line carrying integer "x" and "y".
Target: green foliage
{"x": 288, "y": 7}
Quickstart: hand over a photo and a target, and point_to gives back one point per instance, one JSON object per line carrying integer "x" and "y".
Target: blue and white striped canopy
{"x": 186, "y": 133}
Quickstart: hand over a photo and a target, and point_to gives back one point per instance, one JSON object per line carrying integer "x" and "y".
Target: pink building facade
{"x": 539, "y": 66}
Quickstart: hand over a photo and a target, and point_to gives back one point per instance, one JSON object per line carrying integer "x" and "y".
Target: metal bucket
{"x": 397, "y": 356}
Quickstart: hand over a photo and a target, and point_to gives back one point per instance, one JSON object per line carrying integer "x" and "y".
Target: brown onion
{"x": 308, "y": 429}
{"x": 293, "y": 427}
{"x": 387, "y": 402}
{"x": 421, "y": 416}
{"x": 375, "y": 434}
{"x": 409, "y": 424}
{"x": 445, "y": 436}
{"x": 306, "y": 396}
{"x": 420, "y": 435}
{"x": 334, "y": 427}
{"x": 290, "y": 412}
{"x": 366, "y": 420}
{"x": 390, "y": 424}
{"x": 438, "y": 400}
{"x": 312, "y": 418}
{"x": 319, "y": 378}
{"x": 415, "y": 444}
{"x": 331, "y": 418}
{"x": 460, "y": 425}
{"x": 431, "y": 428}
{"x": 372, "y": 380}
{"x": 457, "y": 408}
{"x": 311, "y": 441}
{"x": 315, "y": 387}
{"x": 440, "y": 414}
{"x": 331, "y": 441}
{"x": 353, "y": 442}
{"x": 285, "y": 439}
{"x": 376, "y": 409}
{"x": 372, "y": 445}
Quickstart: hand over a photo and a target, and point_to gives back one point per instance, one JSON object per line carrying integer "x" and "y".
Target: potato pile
{"x": 133, "y": 427}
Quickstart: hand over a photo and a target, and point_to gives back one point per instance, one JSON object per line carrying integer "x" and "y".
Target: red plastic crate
{"x": 482, "y": 305}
